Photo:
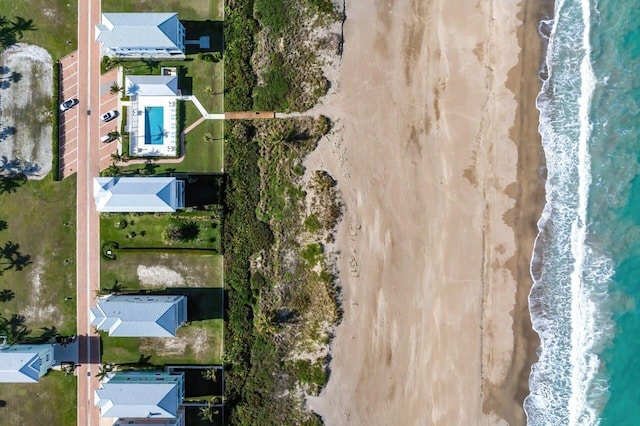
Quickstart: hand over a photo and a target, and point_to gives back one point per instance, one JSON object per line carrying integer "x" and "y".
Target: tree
{"x": 209, "y": 374}
{"x": 208, "y": 137}
{"x": 116, "y": 88}
{"x": 103, "y": 370}
{"x": 114, "y": 134}
{"x": 112, "y": 171}
{"x": 209, "y": 411}
{"x": 119, "y": 158}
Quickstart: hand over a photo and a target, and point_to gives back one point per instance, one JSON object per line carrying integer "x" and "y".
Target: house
{"x": 24, "y": 363}
{"x": 138, "y": 194}
{"x": 141, "y": 35}
{"x": 143, "y": 395}
{"x": 179, "y": 421}
{"x": 139, "y": 315}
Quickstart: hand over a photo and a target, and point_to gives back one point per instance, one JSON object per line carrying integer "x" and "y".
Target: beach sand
{"x": 439, "y": 164}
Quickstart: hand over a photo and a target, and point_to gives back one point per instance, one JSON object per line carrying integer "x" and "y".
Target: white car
{"x": 68, "y": 104}
{"x": 109, "y": 115}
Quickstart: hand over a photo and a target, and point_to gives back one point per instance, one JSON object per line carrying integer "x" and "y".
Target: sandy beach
{"x": 439, "y": 164}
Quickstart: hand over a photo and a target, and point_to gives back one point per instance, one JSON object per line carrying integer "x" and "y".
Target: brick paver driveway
{"x": 69, "y": 119}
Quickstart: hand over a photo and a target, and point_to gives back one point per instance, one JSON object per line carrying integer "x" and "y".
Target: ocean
{"x": 585, "y": 301}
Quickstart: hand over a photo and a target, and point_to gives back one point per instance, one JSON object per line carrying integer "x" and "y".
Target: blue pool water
{"x": 154, "y": 125}
{"x": 585, "y": 303}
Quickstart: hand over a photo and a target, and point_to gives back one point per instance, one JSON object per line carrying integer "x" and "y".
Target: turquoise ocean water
{"x": 585, "y": 302}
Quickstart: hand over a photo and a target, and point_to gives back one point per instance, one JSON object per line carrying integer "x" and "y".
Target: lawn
{"x": 56, "y": 23}
{"x": 52, "y": 401}
{"x": 160, "y": 269}
{"x": 194, "y": 9}
{"x": 148, "y": 230}
{"x": 197, "y": 343}
{"x": 40, "y": 221}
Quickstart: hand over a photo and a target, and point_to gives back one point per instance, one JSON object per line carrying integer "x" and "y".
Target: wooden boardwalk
{"x": 249, "y": 115}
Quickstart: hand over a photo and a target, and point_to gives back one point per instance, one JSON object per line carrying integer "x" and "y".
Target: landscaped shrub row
{"x": 55, "y": 123}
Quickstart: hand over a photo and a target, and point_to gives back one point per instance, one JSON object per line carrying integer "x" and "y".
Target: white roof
{"x": 136, "y": 194}
{"x": 138, "y": 30}
{"x": 135, "y": 399}
{"x": 152, "y": 85}
{"x": 19, "y": 367}
{"x": 139, "y": 316}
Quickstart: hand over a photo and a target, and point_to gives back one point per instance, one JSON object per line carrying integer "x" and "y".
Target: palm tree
{"x": 112, "y": 171}
{"x": 119, "y": 158}
{"x": 103, "y": 370}
{"x": 208, "y": 137}
{"x": 116, "y": 88}
{"x": 209, "y": 374}
{"x": 210, "y": 410}
{"x": 114, "y": 134}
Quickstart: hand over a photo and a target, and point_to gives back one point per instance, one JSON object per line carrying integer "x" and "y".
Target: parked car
{"x": 106, "y": 138}
{"x": 109, "y": 115}
{"x": 68, "y": 104}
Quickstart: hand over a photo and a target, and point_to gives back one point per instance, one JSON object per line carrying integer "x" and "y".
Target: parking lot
{"x": 69, "y": 137}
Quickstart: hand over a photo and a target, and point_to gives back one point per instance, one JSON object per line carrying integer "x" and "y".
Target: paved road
{"x": 88, "y": 233}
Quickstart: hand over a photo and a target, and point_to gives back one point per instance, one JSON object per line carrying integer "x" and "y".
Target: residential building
{"x": 24, "y": 363}
{"x": 139, "y": 315}
{"x": 144, "y": 395}
{"x": 138, "y": 194}
{"x": 141, "y": 35}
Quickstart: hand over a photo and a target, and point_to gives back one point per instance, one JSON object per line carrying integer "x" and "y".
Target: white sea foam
{"x": 570, "y": 280}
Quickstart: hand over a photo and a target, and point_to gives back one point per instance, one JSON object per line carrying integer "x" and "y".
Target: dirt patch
{"x": 26, "y": 88}
{"x": 194, "y": 341}
{"x": 159, "y": 276}
{"x": 36, "y": 311}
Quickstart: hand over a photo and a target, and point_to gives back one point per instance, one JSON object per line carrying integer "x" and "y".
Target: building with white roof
{"x": 141, "y": 35}
{"x": 145, "y": 395}
{"x": 139, "y": 315}
{"x": 24, "y": 363}
{"x": 138, "y": 194}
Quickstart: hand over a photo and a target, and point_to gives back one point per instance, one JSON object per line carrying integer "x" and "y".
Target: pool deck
{"x": 136, "y": 126}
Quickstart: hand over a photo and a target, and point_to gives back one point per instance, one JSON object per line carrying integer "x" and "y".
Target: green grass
{"x": 40, "y": 217}
{"x": 198, "y": 343}
{"x": 203, "y": 155}
{"x": 194, "y": 269}
{"x": 56, "y": 23}
{"x": 149, "y": 229}
{"x": 52, "y": 401}
{"x": 192, "y": 10}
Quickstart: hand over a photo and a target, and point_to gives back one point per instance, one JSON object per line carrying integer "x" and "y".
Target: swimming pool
{"x": 154, "y": 125}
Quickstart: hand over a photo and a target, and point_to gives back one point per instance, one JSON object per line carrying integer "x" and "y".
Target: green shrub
{"x": 271, "y": 14}
{"x": 312, "y": 223}
{"x": 311, "y": 373}
{"x": 55, "y": 122}
{"x": 272, "y": 95}
{"x": 312, "y": 253}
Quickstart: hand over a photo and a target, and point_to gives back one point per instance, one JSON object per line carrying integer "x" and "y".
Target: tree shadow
{"x": 3, "y": 225}
{"x": 6, "y": 132}
{"x": 12, "y": 258}
{"x": 205, "y": 190}
{"x": 196, "y": 29}
{"x": 17, "y": 168}
{"x": 14, "y": 328}
{"x": 203, "y": 303}
{"x": 7, "y": 295}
